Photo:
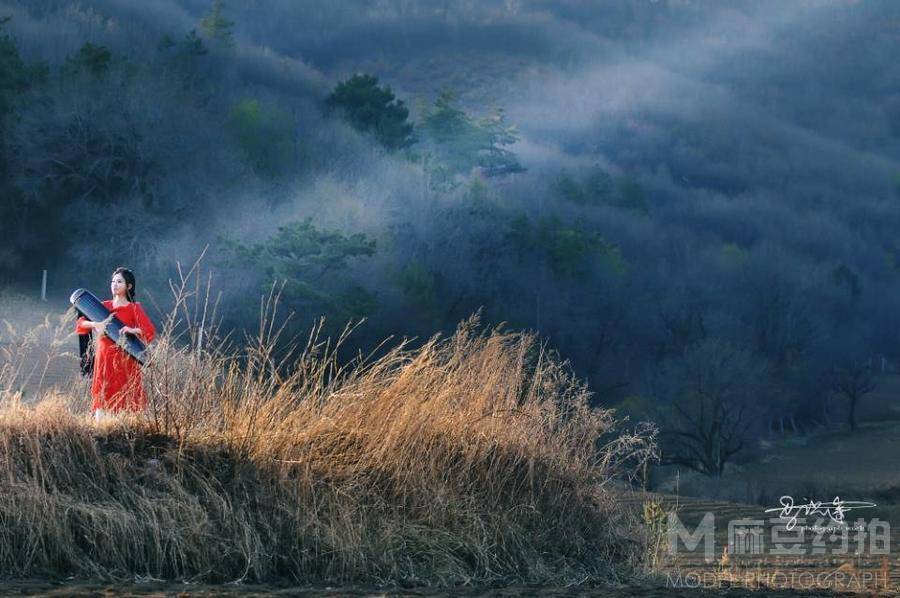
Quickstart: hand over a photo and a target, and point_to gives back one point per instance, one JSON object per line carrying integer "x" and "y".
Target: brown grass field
{"x": 155, "y": 589}
{"x": 469, "y": 460}
{"x": 469, "y": 465}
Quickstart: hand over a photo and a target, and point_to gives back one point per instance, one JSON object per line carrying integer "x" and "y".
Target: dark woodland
{"x": 694, "y": 202}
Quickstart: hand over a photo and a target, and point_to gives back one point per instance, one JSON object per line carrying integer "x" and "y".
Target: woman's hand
{"x": 100, "y": 327}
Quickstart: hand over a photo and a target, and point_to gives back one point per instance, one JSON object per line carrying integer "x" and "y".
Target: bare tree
{"x": 710, "y": 437}
{"x": 853, "y": 381}
{"x": 713, "y": 385}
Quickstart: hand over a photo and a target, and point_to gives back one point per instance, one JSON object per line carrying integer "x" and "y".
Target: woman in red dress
{"x": 117, "y": 377}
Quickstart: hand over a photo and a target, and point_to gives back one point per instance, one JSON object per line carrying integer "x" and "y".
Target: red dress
{"x": 117, "y": 377}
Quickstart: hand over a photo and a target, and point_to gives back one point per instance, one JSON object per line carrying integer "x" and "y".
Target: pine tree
{"x": 13, "y": 77}
{"x": 457, "y": 137}
{"x": 217, "y": 26}
{"x": 495, "y": 159}
{"x": 463, "y": 143}
{"x": 13, "y": 84}
{"x": 369, "y": 107}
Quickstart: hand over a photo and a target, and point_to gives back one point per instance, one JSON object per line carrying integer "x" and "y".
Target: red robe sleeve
{"x": 148, "y": 330}
{"x": 80, "y": 328}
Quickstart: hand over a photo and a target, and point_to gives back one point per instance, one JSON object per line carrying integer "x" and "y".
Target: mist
{"x": 694, "y": 174}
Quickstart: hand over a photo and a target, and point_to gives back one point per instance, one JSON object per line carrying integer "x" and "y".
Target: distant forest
{"x": 695, "y": 202}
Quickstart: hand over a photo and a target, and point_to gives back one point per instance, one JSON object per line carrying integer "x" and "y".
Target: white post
{"x": 44, "y": 286}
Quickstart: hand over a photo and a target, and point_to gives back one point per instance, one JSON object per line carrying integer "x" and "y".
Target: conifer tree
{"x": 369, "y": 107}
{"x": 495, "y": 159}
{"x": 217, "y": 26}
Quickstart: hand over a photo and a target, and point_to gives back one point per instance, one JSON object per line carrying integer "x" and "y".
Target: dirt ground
{"x": 84, "y": 589}
{"x": 856, "y": 466}
{"x": 841, "y": 461}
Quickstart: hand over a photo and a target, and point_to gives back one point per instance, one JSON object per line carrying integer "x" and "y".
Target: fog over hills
{"x": 689, "y": 186}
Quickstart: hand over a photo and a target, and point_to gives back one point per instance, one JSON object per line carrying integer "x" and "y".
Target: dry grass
{"x": 470, "y": 459}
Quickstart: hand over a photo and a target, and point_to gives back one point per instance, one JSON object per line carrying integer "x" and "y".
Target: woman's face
{"x": 117, "y": 285}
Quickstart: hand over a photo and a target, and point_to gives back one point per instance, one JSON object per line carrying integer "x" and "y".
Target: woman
{"x": 117, "y": 377}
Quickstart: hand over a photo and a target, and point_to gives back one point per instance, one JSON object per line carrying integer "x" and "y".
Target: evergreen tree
{"x": 373, "y": 109}
{"x": 91, "y": 58}
{"x": 495, "y": 159}
{"x": 308, "y": 262}
{"x": 13, "y": 82}
{"x": 457, "y": 137}
{"x": 217, "y": 26}
{"x": 192, "y": 45}
{"x": 265, "y": 135}
{"x": 13, "y": 75}
{"x": 463, "y": 143}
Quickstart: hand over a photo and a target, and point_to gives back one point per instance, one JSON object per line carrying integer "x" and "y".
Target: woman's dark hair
{"x": 128, "y": 275}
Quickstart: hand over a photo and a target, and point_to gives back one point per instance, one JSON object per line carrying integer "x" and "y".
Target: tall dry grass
{"x": 469, "y": 459}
